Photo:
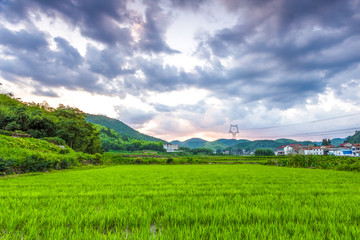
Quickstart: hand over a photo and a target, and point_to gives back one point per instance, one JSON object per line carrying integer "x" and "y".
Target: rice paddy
{"x": 182, "y": 202}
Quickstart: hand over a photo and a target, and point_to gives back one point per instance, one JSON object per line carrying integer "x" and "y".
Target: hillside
{"x": 354, "y": 139}
{"x": 113, "y": 141}
{"x": 22, "y": 155}
{"x": 42, "y": 121}
{"x": 120, "y": 128}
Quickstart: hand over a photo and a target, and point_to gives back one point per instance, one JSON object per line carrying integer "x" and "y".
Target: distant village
{"x": 345, "y": 149}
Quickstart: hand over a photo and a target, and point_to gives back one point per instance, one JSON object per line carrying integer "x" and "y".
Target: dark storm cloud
{"x": 96, "y": 19}
{"x": 188, "y": 4}
{"x": 196, "y": 107}
{"x": 67, "y": 55}
{"x": 46, "y": 67}
{"x": 109, "y": 22}
{"x": 279, "y": 52}
{"x": 108, "y": 62}
{"x": 23, "y": 39}
{"x": 45, "y": 92}
{"x": 161, "y": 77}
{"x": 154, "y": 29}
{"x": 292, "y": 49}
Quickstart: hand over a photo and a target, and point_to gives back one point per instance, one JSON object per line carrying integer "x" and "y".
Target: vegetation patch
{"x": 23, "y": 155}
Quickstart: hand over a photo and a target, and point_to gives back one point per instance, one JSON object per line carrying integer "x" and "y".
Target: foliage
{"x": 326, "y": 142}
{"x": 22, "y": 155}
{"x": 197, "y": 151}
{"x": 55, "y": 140}
{"x": 264, "y": 152}
{"x": 113, "y": 141}
{"x": 41, "y": 121}
{"x": 318, "y": 161}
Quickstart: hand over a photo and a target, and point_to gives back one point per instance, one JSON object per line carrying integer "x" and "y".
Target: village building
{"x": 279, "y": 151}
{"x": 345, "y": 145}
{"x": 346, "y": 149}
{"x": 171, "y": 147}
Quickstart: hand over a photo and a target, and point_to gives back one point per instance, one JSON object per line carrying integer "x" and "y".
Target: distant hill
{"x": 354, "y": 139}
{"x": 228, "y": 144}
{"x": 120, "y": 128}
{"x": 253, "y": 145}
{"x": 219, "y": 144}
{"x": 337, "y": 141}
{"x": 201, "y": 143}
{"x": 191, "y": 143}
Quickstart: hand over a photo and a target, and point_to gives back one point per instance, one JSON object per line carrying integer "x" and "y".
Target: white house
{"x": 317, "y": 151}
{"x": 342, "y": 152}
{"x": 288, "y": 150}
{"x": 171, "y": 148}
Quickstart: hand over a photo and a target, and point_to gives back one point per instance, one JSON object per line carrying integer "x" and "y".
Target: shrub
{"x": 169, "y": 161}
{"x": 138, "y": 161}
{"x": 55, "y": 140}
{"x": 7, "y": 133}
{"x": 264, "y": 152}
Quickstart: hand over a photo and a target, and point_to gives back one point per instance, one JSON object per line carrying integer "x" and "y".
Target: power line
{"x": 297, "y": 124}
{"x": 308, "y": 134}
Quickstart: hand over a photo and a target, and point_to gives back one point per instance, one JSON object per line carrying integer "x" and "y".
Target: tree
{"x": 264, "y": 152}
{"x": 326, "y": 142}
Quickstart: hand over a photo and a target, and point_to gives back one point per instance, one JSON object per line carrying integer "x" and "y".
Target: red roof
{"x": 295, "y": 145}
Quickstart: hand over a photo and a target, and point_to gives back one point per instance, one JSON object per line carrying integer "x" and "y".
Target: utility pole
{"x": 234, "y": 130}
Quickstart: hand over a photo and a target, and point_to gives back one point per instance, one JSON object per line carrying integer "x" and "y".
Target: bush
{"x": 64, "y": 151}
{"x": 138, "y": 161}
{"x": 264, "y": 152}
{"x": 169, "y": 161}
{"x": 55, "y": 140}
{"x": 7, "y": 133}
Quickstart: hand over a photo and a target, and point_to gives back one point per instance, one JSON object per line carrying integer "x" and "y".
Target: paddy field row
{"x": 182, "y": 202}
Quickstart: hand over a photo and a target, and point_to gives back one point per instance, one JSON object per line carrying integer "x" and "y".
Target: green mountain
{"x": 230, "y": 144}
{"x": 337, "y": 141}
{"x": 113, "y": 141}
{"x": 191, "y": 143}
{"x": 219, "y": 144}
{"x": 354, "y": 139}
{"x": 120, "y": 128}
{"x": 253, "y": 145}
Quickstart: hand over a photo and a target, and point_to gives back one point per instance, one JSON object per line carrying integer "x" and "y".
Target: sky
{"x": 178, "y": 69}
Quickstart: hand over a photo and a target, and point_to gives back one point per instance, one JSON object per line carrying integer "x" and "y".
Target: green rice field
{"x": 210, "y": 201}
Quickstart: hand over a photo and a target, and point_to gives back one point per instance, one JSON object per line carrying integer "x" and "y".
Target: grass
{"x": 23, "y": 155}
{"x": 182, "y": 202}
